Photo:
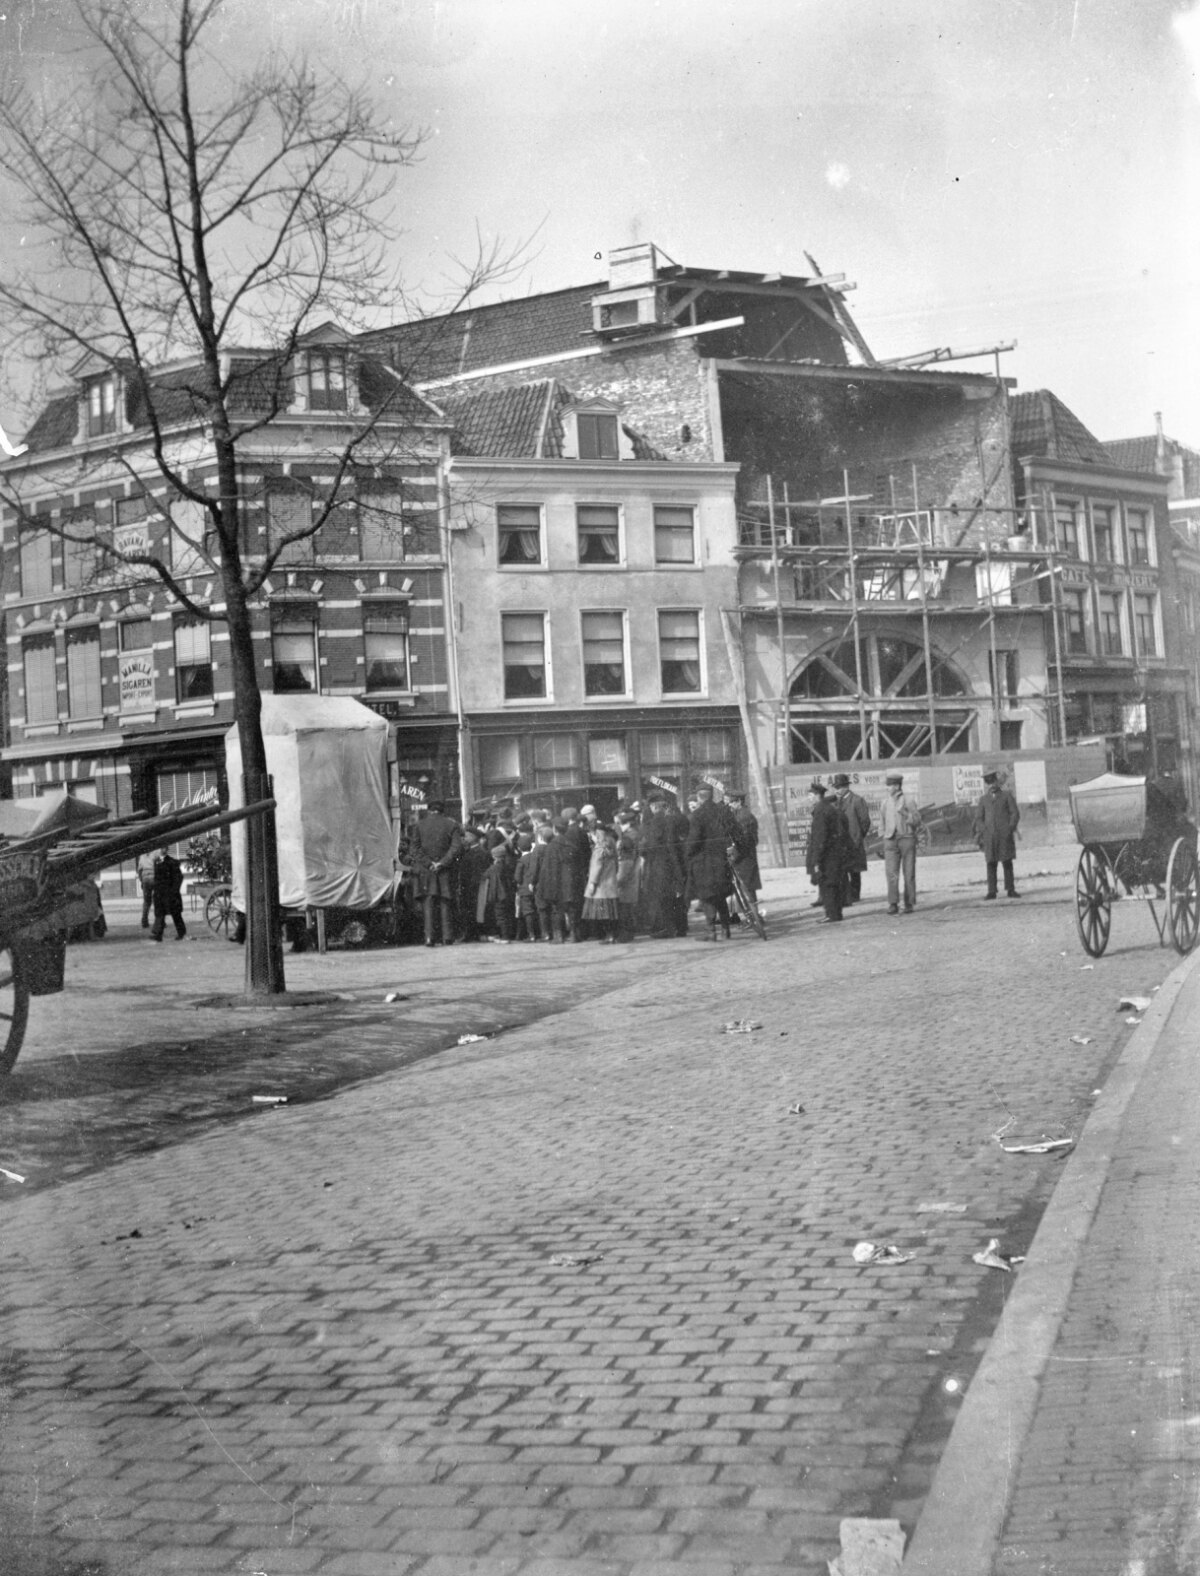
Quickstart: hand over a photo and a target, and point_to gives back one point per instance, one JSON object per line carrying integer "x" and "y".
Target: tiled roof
{"x": 1141, "y": 454}
{"x": 1043, "y": 427}
{"x": 491, "y": 336}
{"x": 56, "y": 425}
{"x": 1133, "y": 454}
{"x": 501, "y": 423}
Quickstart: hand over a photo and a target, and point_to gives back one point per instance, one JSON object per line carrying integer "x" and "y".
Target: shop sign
{"x": 137, "y": 683}
{"x": 408, "y": 791}
{"x": 665, "y": 784}
{"x": 21, "y": 878}
{"x": 132, "y": 539}
{"x": 968, "y": 783}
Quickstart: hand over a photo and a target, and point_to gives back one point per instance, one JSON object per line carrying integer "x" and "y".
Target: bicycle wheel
{"x": 14, "y": 1007}
{"x": 748, "y": 907}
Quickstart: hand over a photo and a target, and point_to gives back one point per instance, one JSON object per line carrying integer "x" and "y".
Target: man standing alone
{"x": 899, "y": 820}
{"x": 996, "y": 822}
{"x": 434, "y": 845}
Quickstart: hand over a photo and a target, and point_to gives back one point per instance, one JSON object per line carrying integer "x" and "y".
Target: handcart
{"x": 1136, "y": 843}
{"x": 40, "y": 878}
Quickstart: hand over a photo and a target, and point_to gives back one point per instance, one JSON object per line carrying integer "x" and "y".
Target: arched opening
{"x": 828, "y": 723}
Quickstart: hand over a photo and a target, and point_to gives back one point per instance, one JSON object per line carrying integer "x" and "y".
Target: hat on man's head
{"x": 657, "y": 798}
{"x": 895, "y": 777}
{"x": 588, "y": 809}
{"x": 991, "y": 777}
{"x": 841, "y": 781}
{"x": 818, "y": 789}
{"x": 735, "y": 796}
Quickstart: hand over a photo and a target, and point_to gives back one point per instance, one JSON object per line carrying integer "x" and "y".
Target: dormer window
{"x": 327, "y": 380}
{"x": 597, "y": 436}
{"x": 594, "y": 432}
{"x": 102, "y": 405}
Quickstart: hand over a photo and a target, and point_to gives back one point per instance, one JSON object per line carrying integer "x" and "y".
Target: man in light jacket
{"x": 899, "y": 822}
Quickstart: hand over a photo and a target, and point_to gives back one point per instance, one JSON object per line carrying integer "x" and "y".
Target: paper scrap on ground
{"x": 470, "y": 1039}
{"x": 574, "y": 1261}
{"x": 991, "y": 1257}
{"x": 1044, "y": 1146}
{"x": 269, "y": 1099}
{"x": 879, "y": 1253}
{"x": 1081, "y": 1039}
{"x": 742, "y": 1026}
{"x": 940, "y": 1207}
{"x": 394, "y": 995}
{"x": 870, "y": 1547}
{"x": 13, "y": 1176}
{"x": 1134, "y": 1003}
{"x": 796, "y": 1110}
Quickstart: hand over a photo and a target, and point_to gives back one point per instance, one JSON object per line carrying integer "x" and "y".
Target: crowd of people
{"x": 530, "y": 875}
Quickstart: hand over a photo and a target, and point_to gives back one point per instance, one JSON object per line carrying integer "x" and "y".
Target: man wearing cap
{"x": 857, "y": 817}
{"x": 828, "y": 851}
{"x": 899, "y": 820}
{"x": 996, "y": 821}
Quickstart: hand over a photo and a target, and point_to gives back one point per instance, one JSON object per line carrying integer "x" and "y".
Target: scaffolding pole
{"x": 783, "y": 663}
{"x": 1051, "y": 508}
{"x": 858, "y": 673}
{"x": 924, "y": 610}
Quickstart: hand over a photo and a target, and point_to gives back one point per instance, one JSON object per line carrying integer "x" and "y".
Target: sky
{"x": 984, "y": 170}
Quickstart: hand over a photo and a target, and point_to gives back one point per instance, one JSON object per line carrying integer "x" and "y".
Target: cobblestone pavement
{"x": 577, "y": 1298}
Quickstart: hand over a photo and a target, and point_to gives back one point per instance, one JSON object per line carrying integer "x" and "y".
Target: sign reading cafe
{"x": 137, "y": 682}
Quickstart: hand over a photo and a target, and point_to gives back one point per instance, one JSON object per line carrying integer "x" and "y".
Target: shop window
{"x": 598, "y": 437}
{"x": 83, "y": 672}
{"x": 1137, "y": 536}
{"x": 193, "y": 659}
{"x": 385, "y": 640}
{"x": 1145, "y": 626}
{"x": 679, "y": 652}
{"x": 556, "y": 761}
{"x": 1109, "y": 625}
{"x": 36, "y": 573}
{"x": 293, "y": 651}
{"x": 499, "y": 763}
{"x": 599, "y": 530}
{"x": 1102, "y": 533}
{"x": 608, "y": 757}
{"x": 674, "y": 535}
{"x": 518, "y": 535}
{"x": 326, "y": 377}
{"x": 604, "y": 654}
{"x": 41, "y": 693}
{"x": 662, "y": 749}
{"x": 523, "y": 637}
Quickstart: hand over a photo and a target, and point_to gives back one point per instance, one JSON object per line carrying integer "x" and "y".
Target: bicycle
{"x": 747, "y": 907}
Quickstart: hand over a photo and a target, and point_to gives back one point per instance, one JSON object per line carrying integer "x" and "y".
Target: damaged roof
{"x": 1044, "y": 428}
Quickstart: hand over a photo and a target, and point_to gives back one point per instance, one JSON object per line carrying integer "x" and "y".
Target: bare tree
{"x": 193, "y": 224}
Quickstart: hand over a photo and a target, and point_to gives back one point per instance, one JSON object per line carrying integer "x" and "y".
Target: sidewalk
{"x": 1077, "y": 1447}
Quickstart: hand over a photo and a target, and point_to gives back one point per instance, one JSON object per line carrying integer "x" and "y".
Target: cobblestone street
{"x": 576, "y": 1298}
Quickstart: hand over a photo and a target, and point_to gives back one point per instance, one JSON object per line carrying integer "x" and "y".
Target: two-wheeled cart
{"x": 40, "y": 879}
{"x": 1136, "y": 843}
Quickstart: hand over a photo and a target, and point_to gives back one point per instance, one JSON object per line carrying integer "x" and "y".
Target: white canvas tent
{"x": 327, "y": 757}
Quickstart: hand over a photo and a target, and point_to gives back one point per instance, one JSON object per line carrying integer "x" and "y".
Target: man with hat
{"x": 745, "y": 842}
{"x": 857, "y": 816}
{"x": 899, "y": 822}
{"x": 662, "y": 870}
{"x": 710, "y": 832}
{"x": 996, "y": 821}
{"x": 828, "y": 851}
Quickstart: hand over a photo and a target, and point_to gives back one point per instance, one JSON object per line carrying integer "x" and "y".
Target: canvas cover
{"x": 327, "y": 757}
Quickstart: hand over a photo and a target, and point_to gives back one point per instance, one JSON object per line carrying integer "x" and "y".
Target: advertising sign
{"x": 137, "y": 682}
{"x": 968, "y": 783}
{"x": 869, "y": 785}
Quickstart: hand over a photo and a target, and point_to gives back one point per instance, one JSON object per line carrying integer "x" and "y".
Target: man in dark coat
{"x": 996, "y": 821}
{"x": 168, "y": 895}
{"x": 554, "y": 886}
{"x": 745, "y": 840}
{"x": 662, "y": 870}
{"x": 828, "y": 851}
{"x": 710, "y": 832}
{"x": 579, "y": 846}
{"x": 680, "y": 825}
{"x": 857, "y": 816}
{"x": 434, "y": 844}
{"x": 473, "y": 865}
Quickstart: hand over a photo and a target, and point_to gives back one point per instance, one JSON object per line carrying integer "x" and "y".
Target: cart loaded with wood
{"x": 1137, "y": 843}
{"x": 46, "y": 884}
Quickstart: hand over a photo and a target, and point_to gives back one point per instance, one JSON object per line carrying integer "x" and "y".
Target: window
{"x": 289, "y": 509}
{"x": 102, "y": 405}
{"x": 136, "y": 634}
{"x": 674, "y": 535}
{"x": 679, "y": 652}
{"x": 1137, "y": 536}
{"x": 1010, "y": 734}
{"x": 1102, "y": 533}
{"x": 1075, "y": 609}
{"x": 1005, "y": 674}
{"x": 518, "y": 534}
{"x": 327, "y": 380}
{"x": 556, "y": 761}
{"x": 608, "y": 757}
{"x": 79, "y": 548}
{"x": 36, "y": 577}
{"x": 381, "y": 524}
{"x": 597, "y": 437}
{"x": 193, "y": 659}
{"x": 523, "y": 636}
{"x": 385, "y": 639}
{"x": 1066, "y": 528}
{"x": 135, "y": 665}
{"x": 599, "y": 528}
{"x": 83, "y": 672}
{"x": 604, "y": 654}
{"x": 131, "y": 529}
{"x": 1110, "y": 625}
{"x": 189, "y": 531}
{"x": 293, "y": 650}
{"x": 499, "y": 763}
{"x": 1144, "y": 625}
{"x": 41, "y": 694}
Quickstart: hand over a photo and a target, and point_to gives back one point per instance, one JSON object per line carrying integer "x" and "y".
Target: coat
{"x": 434, "y": 845}
{"x": 745, "y": 840}
{"x": 857, "y": 816}
{"x": 996, "y": 821}
{"x": 829, "y": 847}
{"x": 602, "y": 873}
{"x": 663, "y": 874}
{"x": 629, "y": 868}
{"x": 168, "y": 884}
{"x": 710, "y": 832}
{"x": 555, "y": 881}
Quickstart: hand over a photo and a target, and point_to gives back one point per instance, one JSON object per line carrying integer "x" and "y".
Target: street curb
{"x": 961, "y": 1523}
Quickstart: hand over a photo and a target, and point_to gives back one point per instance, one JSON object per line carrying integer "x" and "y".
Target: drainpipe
{"x": 450, "y": 624}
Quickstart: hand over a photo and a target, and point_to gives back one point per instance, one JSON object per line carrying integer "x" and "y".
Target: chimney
{"x": 629, "y": 266}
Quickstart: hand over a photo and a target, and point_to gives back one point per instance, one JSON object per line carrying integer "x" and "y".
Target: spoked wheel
{"x": 1093, "y": 902}
{"x": 749, "y": 907}
{"x": 14, "y": 1008}
{"x": 218, "y": 910}
{"x": 1183, "y": 896}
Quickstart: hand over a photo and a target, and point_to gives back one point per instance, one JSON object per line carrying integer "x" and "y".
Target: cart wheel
{"x": 1093, "y": 902}
{"x": 1183, "y": 896}
{"x": 14, "y": 1008}
{"x": 218, "y": 910}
